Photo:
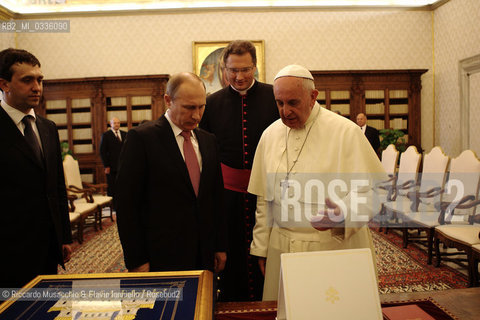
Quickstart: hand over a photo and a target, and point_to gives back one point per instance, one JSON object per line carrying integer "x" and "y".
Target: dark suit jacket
{"x": 372, "y": 135}
{"x": 160, "y": 220}
{"x": 34, "y": 202}
{"x": 110, "y": 148}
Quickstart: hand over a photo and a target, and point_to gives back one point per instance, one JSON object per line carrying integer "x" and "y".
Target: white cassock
{"x": 333, "y": 159}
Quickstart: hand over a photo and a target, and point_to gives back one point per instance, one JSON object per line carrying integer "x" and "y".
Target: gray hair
{"x": 308, "y": 84}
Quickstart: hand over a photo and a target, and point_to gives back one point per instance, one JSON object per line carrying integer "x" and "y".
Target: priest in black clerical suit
{"x": 110, "y": 147}
{"x": 237, "y": 115}
{"x": 34, "y": 222}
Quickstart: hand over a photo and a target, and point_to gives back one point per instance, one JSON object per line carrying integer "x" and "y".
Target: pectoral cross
{"x": 284, "y": 184}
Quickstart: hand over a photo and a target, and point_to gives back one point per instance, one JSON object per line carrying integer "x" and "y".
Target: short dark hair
{"x": 10, "y": 56}
{"x": 177, "y": 79}
{"x": 240, "y": 47}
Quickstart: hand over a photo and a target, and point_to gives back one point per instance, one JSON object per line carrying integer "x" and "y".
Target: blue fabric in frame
{"x": 184, "y": 308}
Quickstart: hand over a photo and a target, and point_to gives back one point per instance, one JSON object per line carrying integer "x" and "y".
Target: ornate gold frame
{"x": 204, "y": 298}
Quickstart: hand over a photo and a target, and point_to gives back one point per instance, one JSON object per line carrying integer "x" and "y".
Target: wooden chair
{"x": 474, "y": 260}
{"x": 401, "y": 183}
{"x": 88, "y": 192}
{"x": 423, "y": 198}
{"x": 462, "y": 185}
{"x": 79, "y": 213}
{"x": 462, "y": 237}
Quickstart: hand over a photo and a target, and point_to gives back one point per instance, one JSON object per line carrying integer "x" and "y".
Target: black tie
{"x": 31, "y": 138}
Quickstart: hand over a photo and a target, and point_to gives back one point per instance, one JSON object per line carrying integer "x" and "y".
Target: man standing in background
{"x": 237, "y": 115}
{"x": 35, "y": 226}
{"x": 110, "y": 147}
{"x": 370, "y": 132}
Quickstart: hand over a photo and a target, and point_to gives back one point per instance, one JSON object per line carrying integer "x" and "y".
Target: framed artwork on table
{"x": 208, "y": 65}
{"x": 150, "y": 295}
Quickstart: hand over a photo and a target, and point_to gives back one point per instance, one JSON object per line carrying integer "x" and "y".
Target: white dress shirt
{"x": 179, "y": 138}
{"x": 17, "y": 117}
{"x": 117, "y": 134}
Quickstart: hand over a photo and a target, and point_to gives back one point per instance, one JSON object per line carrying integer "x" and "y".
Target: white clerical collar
{"x": 243, "y": 92}
{"x": 15, "y": 114}
{"x": 175, "y": 128}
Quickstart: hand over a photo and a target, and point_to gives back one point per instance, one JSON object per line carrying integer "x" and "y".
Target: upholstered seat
{"x": 476, "y": 248}
{"x": 101, "y": 200}
{"x": 403, "y": 205}
{"x": 74, "y": 216}
{"x": 465, "y": 234}
{"x": 464, "y": 239}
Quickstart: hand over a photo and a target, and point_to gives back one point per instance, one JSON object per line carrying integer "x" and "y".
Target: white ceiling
{"x": 25, "y": 7}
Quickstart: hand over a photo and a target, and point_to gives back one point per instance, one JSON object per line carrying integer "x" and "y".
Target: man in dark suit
{"x": 370, "y": 132}
{"x": 110, "y": 147}
{"x": 169, "y": 188}
{"x": 35, "y": 227}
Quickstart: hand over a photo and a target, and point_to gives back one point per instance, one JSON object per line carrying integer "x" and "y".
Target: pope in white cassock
{"x": 313, "y": 175}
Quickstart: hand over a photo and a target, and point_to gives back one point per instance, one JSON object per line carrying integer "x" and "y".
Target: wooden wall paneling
{"x": 414, "y": 106}
{"x": 387, "y": 108}
{"x": 98, "y": 90}
{"x": 392, "y": 82}
{"x": 357, "y": 93}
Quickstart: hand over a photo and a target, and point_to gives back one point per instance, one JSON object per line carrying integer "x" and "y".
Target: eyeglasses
{"x": 239, "y": 70}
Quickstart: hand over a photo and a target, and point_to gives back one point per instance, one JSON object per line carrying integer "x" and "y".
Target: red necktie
{"x": 118, "y": 135}
{"x": 191, "y": 160}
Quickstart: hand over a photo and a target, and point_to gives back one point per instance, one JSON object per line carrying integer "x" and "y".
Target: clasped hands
{"x": 328, "y": 218}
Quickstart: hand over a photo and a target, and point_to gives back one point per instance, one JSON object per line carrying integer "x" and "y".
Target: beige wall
{"x": 7, "y": 40}
{"x": 457, "y": 36}
{"x": 320, "y": 40}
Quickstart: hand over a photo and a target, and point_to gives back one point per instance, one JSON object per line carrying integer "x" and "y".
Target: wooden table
{"x": 463, "y": 304}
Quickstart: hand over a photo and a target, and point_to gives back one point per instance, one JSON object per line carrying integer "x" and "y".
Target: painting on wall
{"x": 208, "y": 65}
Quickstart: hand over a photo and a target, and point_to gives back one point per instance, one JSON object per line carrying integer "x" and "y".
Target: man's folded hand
{"x": 328, "y": 218}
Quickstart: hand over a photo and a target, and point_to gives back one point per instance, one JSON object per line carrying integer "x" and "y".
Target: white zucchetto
{"x": 294, "y": 70}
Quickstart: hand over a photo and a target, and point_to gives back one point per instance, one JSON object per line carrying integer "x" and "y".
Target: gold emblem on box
{"x": 332, "y": 295}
